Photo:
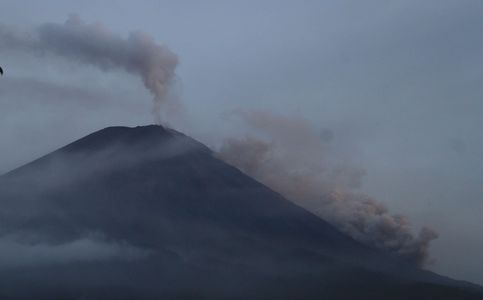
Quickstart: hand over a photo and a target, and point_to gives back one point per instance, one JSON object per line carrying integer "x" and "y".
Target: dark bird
{"x": 1, "y": 71}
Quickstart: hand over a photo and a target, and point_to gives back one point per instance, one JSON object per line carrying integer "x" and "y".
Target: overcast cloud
{"x": 398, "y": 83}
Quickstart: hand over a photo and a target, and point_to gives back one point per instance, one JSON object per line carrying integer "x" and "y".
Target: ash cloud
{"x": 295, "y": 159}
{"x": 96, "y": 45}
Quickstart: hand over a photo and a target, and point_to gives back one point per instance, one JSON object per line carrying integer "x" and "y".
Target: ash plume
{"x": 293, "y": 158}
{"x": 96, "y": 45}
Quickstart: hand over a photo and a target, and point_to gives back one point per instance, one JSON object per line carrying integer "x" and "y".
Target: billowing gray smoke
{"x": 293, "y": 158}
{"x": 94, "y": 44}
{"x": 288, "y": 155}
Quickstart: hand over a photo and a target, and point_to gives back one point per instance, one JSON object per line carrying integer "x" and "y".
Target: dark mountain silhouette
{"x": 149, "y": 213}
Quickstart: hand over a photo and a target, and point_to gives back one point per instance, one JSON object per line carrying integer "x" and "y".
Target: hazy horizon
{"x": 392, "y": 86}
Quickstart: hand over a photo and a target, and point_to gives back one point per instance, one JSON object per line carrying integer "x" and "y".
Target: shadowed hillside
{"x": 148, "y": 213}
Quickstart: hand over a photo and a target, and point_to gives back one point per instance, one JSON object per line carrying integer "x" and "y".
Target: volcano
{"x": 149, "y": 213}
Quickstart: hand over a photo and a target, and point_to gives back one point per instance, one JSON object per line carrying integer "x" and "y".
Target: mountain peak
{"x": 151, "y": 213}
{"x": 118, "y": 134}
{"x": 117, "y": 143}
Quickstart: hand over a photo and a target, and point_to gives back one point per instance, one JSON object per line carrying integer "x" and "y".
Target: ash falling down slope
{"x": 149, "y": 213}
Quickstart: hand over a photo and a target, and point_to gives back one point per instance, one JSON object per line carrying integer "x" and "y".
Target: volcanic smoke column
{"x": 293, "y": 158}
{"x": 95, "y": 45}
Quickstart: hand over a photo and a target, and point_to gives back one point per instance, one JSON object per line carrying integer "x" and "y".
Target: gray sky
{"x": 397, "y": 82}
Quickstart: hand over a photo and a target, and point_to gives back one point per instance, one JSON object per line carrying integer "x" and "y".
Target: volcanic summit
{"x": 149, "y": 213}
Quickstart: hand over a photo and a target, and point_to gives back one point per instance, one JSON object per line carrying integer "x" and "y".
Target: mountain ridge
{"x": 165, "y": 194}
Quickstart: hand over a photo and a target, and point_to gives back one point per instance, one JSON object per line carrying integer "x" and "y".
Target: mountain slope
{"x": 147, "y": 212}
